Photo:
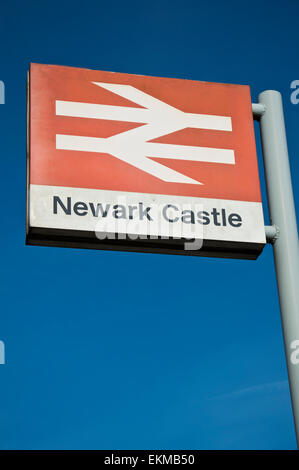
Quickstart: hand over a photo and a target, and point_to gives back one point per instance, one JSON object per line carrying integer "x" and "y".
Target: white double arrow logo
{"x": 134, "y": 146}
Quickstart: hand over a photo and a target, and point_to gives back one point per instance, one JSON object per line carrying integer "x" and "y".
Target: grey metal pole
{"x": 285, "y": 245}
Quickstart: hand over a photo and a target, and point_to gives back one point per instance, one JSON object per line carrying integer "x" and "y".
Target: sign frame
{"x": 76, "y": 238}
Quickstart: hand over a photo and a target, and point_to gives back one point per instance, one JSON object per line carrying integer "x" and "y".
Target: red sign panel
{"x": 235, "y": 179}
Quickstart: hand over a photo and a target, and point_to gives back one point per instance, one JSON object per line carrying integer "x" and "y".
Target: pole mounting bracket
{"x": 272, "y": 233}
{"x": 258, "y": 110}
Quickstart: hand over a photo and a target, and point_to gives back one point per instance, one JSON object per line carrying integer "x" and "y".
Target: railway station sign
{"x": 140, "y": 163}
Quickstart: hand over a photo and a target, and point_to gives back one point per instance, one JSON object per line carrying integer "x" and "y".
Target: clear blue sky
{"x": 128, "y": 351}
